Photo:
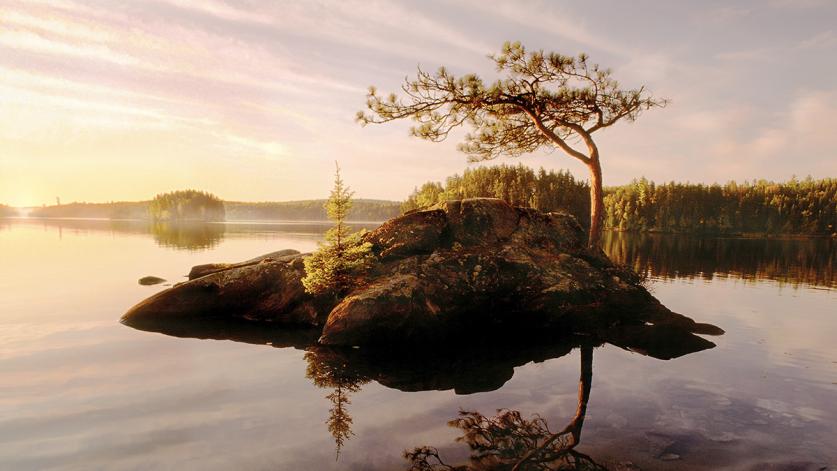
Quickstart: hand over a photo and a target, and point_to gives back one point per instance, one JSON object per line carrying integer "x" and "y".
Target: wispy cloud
{"x": 820, "y": 40}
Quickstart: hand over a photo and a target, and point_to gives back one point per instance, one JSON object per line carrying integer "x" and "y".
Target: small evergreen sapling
{"x": 332, "y": 267}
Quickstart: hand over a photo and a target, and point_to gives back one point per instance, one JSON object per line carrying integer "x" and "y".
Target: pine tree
{"x": 333, "y": 265}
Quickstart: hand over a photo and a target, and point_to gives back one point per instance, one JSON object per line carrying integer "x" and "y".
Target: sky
{"x": 254, "y": 101}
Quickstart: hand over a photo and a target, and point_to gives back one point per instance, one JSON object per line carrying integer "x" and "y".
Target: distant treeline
{"x": 112, "y": 210}
{"x": 7, "y": 211}
{"x": 310, "y": 210}
{"x": 807, "y": 207}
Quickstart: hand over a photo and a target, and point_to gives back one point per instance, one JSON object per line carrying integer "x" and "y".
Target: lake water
{"x": 80, "y": 391}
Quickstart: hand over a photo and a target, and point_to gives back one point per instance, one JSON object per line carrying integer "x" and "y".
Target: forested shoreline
{"x": 805, "y": 207}
{"x": 308, "y": 210}
{"x": 798, "y": 207}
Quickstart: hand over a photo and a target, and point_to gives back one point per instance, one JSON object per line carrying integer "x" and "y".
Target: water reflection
{"x": 796, "y": 261}
{"x": 187, "y": 235}
{"x": 190, "y": 236}
{"x": 471, "y": 366}
{"x": 330, "y": 372}
{"x": 508, "y": 441}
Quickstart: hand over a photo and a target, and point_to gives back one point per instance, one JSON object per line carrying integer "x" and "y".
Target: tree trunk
{"x": 596, "y": 204}
{"x": 585, "y": 383}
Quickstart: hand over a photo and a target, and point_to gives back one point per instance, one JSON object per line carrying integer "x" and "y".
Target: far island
{"x": 199, "y": 206}
{"x": 186, "y": 205}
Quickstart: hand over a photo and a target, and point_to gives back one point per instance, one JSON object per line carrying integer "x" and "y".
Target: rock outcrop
{"x": 475, "y": 267}
{"x": 151, "y": 280}
{"x": 198, "y": 271}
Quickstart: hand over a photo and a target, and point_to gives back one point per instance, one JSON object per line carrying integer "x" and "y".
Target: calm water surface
{"x": 80, "y": 391}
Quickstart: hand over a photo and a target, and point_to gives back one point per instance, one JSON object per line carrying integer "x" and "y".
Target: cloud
{"x": 552, "y": 19}
{"x": 805, "y": 127}
{"x": 800, "y": 4}
{"x": 821, "y": 40}
{"x": 724, "y": 15}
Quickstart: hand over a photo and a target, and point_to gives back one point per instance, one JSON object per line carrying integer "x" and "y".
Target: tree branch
{"x": 555, "y": 138}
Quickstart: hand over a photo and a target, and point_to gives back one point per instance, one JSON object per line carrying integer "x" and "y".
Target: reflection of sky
{"x": 80, "y": 391}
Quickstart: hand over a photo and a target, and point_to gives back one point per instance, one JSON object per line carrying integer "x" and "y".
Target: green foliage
{"x": 761, "y": 207}
{"x": 542, "y": 100}
{"x": 807, "y": 207}
{"x": 519, "y": 185}
{"x": 333, "y": 266}
{"x": 186, "y": 205}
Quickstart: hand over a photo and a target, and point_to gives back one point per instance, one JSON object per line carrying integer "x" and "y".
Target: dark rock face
{"x": 151, "y": 280}
{"x": 476, "y": 266}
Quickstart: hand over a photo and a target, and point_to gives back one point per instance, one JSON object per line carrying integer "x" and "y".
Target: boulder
{"x": 151, "y": 280}
{"x": 473, "y": 267}
{"x": 269, "y": 290}
{"x": 202, "y": 270}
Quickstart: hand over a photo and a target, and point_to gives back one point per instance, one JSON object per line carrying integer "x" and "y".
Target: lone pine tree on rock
{"x": 330, "y": 268}
{"x": 543, "y": 101}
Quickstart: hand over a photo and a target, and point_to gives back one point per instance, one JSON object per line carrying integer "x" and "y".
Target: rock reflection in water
{"x": 507, "y": 441}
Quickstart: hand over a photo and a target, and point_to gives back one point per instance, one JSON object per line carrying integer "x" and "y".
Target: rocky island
{"x": 475, "y": 268}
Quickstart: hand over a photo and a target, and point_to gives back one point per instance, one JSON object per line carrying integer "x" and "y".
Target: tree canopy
{"x": 807, "y": 207}
{"x": 543, "y": 100}
{"x": 330, "y": 267}
{"x": 186, "y": 205}
{"x": 518, "y": 185}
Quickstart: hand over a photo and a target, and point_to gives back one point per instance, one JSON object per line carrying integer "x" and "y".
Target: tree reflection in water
{"x": 329, "y": 371}
{"x": 506, "y": 441}
{"x": 806, "y": 261}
